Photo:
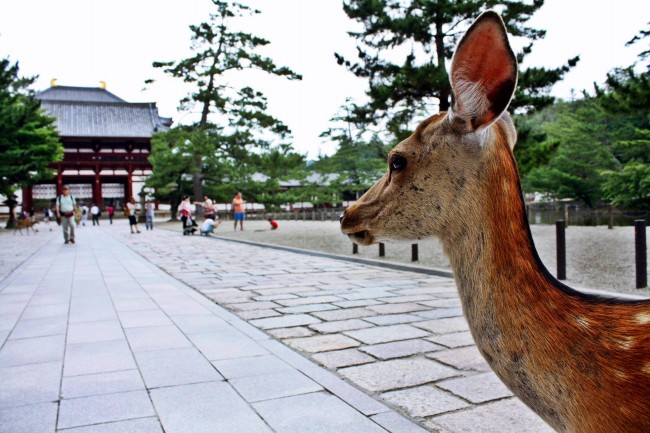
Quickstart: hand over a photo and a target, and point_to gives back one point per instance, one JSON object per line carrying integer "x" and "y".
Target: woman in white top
{"x": 132, "y": 210}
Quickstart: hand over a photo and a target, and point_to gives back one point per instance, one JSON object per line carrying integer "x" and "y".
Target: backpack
{"x": 58, "y": 200}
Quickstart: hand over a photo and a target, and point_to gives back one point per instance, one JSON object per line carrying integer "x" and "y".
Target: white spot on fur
{"x": 626, "y": 343}
{"x": 470, "y": 97}
{"x": 642, "y": 318}
{"x": 620, "y": 374}
{"x": 582, "y": 322}
{"x": 646, "y": 368}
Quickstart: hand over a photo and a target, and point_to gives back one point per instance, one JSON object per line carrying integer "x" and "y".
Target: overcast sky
{"x": 83, "y": 42}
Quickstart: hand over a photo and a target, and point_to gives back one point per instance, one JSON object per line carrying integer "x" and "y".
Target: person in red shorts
{"x": 274, "y": 224}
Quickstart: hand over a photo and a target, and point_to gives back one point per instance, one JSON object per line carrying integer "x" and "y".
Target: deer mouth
{"x": 362, "y": 237}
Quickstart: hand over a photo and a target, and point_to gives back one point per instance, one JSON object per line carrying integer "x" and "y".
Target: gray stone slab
{"x": 206, "y": 407}
{"x": 340, "y": 326}
{"x": 257, "y": 305}
{"x": 506, "y": 416}
{"x": 104, "y": 408}
{"x": 298, "y": 331}
{"x": 139, "y": 319}
{"x": 175, "y": 367}
{"x": 156, "y": 338}
{"x": 357, "y": 303}
{"x": 477, "y": 389}
{"x": 444, "y": 326}
{"x": 35, "y": 418}
{"x": 308, "y": 300}
{"x": 43, "y": 311}
{"x": 393, "y": 319}
{"x": 313, "y": 413}
{"x": 382, "y": 334}
{"x": 200, "y": 324}
{"x": 252, "y": 366}
{"x": 32, "y": 350}
{"x": 398, "y": 349}
{"x": 397, "y": 308}
{"x": 40, "y": 327}
{"x": 275, "y": 385}
{"x": 286, "y": 321}
{"x": 29, "y": 384}
{"x": 343, "y": 314}
{"x": 393, "y": 422}
{"x": 322, "y": 343}
{"x": 424, "y": 401}
{"x": 141, "y": 425}
{"x": 101, "y": 383}
{"x": 342, "y": 358}
{"x": 457, "y": 339}
{"x": 440, "y": 313}
{"x": 226, "y": 345}
{"x": 464, "y": 358}
{"x": 443, "y": 303}
{"x": 308, "y": 308}
{"x": 397, "y": 373}
{"x": 257, "y": 314}
{"x": 102, "y": 357}
{"x": 90, "y": 332}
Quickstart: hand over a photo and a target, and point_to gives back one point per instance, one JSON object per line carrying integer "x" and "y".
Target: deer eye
{"x": 397, "y": 163}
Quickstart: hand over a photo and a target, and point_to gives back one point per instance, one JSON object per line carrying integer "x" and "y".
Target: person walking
{"x": 185, "y": 209}
{"x": 94, "y": 213}
{"x": 65, "y": 207}
{"x": 111, "y": 211}
{"x": 239, "y": 211}
{"x": 84, "y": 214}
{"x": 132, "y": 211}
{"x": 149, "y": 208}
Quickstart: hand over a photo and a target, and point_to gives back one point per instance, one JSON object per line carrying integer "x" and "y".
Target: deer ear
{"x": 483, "y": 72}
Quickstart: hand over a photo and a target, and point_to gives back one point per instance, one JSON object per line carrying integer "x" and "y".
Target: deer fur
{"x": 581, "y": 362}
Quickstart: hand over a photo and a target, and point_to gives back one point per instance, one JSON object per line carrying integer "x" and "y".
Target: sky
{"x": 83, "y": 42}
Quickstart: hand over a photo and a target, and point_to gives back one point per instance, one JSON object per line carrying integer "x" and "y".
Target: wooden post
{"x": 610, "y": 225}
{"x": 414, "y": 252}
{"x": 561, "y": 249}
{"x": 382, "y": 249}
{"x": 355, "y": 248}
{"x": 640, "y": 252}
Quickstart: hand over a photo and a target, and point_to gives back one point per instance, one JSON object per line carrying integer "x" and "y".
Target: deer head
{"x": 433, "y": 176}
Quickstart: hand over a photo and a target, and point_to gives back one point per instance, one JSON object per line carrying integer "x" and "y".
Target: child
{"x": 274, "y": 224}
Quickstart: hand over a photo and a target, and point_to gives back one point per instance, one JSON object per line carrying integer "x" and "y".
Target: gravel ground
{"x": 597, "y": 258}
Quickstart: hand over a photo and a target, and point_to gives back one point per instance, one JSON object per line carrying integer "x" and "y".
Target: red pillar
{"x": 28, "y": 202}
{"x": 97, "y": 191}
{"x": 59, "y": 182}
{"x": 129, "y": 187}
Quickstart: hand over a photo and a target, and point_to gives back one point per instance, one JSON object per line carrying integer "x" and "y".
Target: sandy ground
{"x": 597, "y": 258}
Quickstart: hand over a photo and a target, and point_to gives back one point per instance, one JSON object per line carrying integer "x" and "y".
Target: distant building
{"x": 106, "y": 141}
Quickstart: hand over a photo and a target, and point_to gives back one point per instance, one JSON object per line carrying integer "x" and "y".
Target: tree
{"x": 404, "y": 48}
{"x": 28, "y": 139}
{"x": 217, "y": 51}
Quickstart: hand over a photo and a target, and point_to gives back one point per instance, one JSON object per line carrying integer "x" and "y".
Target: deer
{"x": 580, "y": 361}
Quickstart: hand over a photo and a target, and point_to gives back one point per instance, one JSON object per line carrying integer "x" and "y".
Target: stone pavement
{"x": 400, "y": 336}
{"x": 94, "y": 338}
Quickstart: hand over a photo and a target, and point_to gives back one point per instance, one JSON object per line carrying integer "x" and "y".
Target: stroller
{"x": 190, "y": 226}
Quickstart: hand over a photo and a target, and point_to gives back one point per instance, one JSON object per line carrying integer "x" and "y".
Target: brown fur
{"x": 579, "y": 361}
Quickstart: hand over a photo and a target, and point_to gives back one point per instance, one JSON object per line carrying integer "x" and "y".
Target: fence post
{"x": 610, "y": 224}
{"x": 355, "y": 248}
{"x": 382, "y": 250}
{"x": 414, "y": 252}
{"x": 561, "y": 249}
{"x": 640, "y": 252}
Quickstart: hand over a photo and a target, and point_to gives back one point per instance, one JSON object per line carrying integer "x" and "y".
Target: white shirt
{"x": 94, "y": 210}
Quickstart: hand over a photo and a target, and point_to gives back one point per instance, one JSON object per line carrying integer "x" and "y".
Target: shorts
{"x": 240, "y": 216}
{"x": 132, "y": 220}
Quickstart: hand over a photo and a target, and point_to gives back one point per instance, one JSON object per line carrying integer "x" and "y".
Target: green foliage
{"x": 227, "y": 147}
{"x": 404, "y": 48}
{"x": 28, "y": 139}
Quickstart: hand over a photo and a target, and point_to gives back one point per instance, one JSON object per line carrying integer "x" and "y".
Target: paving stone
{"x": 141, "y": 425}
{"x": 340, "y": 326}
{"x": 357, "y": 303}
{"x": 444, "y": 326}
{"x": 273, "y": 386}
{"x": 477, "y": 389}
{"x": 464, "y": 358}
{"x": 252, "y": 366}
{"x": 298, "y": 331}
{"x": 89, "y": 332}
{"x": 32, "y": 350}
{"x": 226, "y": 345}
{"x": 139, "y": 319}
{"x": 257, "y": 314}
{"x": 342, "y": 358}
{"x": 443, "y": 303}
{"x": 309, "y": 300}
{"x": 101, "y": 383}
{"x": 200, "y": 324}
{"x": 393, "y": 319}
{"x": 397, "y": 308}
{"x": 312, "y": 413}
{"x": 343, "y": 314}
{"x": 256, "y": 305}
{"x": 407, "y": 298}
{"x": 43, "y": 311}
{"x": 156, "y": 338}
{"x": 506, "y": 416}
{"x": 101, "y": 357}
{"x": 400, "y": 349}
{"x": 288, "y": 321}
{"x": 40, "y": 327}
{"x": 440, "y": 313}
{"x": 457, "y": 339}
{"x": 394, "y": 422}
{"x": 175, "y": 367}
{"x": 29, "y": 384}
{"x": 423, "y": 401}
{"x": 382, "y": 334}
{"x": 397, "y": 373}
{"x": 322, "y": 343}
{"x": 104, "y": 408}
{"x": 34, "y": 418}
{"x": 205, "y": 407}
{"x": 307, "y": 308}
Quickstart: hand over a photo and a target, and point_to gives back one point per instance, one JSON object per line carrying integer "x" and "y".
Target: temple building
{"x": 106, "y": 141}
